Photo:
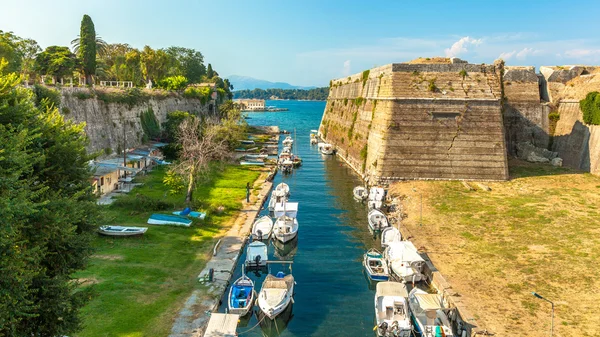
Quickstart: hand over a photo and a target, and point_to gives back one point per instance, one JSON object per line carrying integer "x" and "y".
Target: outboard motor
{"x": 383, "y": 326}
{"x": 259, "y": 233}
{"x": 257, "y": 259}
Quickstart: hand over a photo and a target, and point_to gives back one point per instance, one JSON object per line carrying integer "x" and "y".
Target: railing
{"x": 119, "y": 84}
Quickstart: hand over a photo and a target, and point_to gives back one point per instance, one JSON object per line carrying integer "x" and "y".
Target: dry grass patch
{"x": 537, "y": 232}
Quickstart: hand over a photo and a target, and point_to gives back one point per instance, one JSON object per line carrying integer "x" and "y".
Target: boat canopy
{"x": 391, "y": 289}
{"x": 403, "y": 251}
{"x": 429, "y": 301}
{"x": 289, "y": 208}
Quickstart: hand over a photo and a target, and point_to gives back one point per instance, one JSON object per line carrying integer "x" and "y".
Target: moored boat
{"x": 241, "y": 296}
{"x": 404, "y": 261}
{"x": 284, "y": 188}
{"x": 121, "y": 230}
{"x": 326, "y": 148}
{"x": 165, "y": 219}
{"x": 261, "y": 230}
{"x": 256, "y": 255}
{"x": 276, "y": 294}
{"x": 391, "y": 310}
{"x": 390, "y": 234}
{"x": 376, "y": 197}
{"x": 286, "y": 208}
{"x": 375, "y": 266}
{"x": 285, "y": 228}
{"x": 360, "y": 193}
{"x": 429, "y": 313}
{"x": 377, "y": 220}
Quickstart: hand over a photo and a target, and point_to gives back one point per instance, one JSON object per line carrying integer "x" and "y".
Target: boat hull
{"x": 271, "y": 312}
{"x": 106, "y": 230}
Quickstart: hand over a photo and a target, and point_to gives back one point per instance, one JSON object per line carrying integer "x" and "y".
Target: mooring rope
{"x": 243, "y": 332}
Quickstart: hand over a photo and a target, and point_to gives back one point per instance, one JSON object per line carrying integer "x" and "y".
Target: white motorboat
{"x": 375, "y": 266}
{"x": 313, "y": 140}
{"x": 262, "y": 228}
{"x": 390, "y": 234}
{"x": 276, "y": 294}
{"x": 404, "y": 260}
{"x": 377, "y": 220}
{"x": 391, "y": 310}
{"x": 376, "y": 197}
{"x": 286, "y": 208}
{"x": 286, "y": 166}
{"x": 256, "y": 255}
{"x": 360, "y": 193}
{"x": 288, "y": 141}
{"x": 241, "y": 296}
{"x": 429, "y": 312}
{"x": 285, "y": 188}
{"x": 286, "y": 149}
{"x": 326, "y": 148}
{"x": 277, "y": 196}
{"x": 285, "y": 229}
{"x": 121, "y": 230}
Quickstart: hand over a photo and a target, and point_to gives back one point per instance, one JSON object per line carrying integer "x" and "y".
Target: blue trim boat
{"x": 241, "y": 296}
{"x": 375, "y": 266}
{"x": 165, "y": 219}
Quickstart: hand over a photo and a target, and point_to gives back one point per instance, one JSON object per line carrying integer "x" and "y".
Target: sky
{"x": 308, "y": 43}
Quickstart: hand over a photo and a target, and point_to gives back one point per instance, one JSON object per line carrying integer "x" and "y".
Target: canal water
{"x": 333, "y": 296}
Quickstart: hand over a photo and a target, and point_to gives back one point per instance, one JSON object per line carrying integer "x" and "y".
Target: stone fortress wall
{"x": 448, "y": 119}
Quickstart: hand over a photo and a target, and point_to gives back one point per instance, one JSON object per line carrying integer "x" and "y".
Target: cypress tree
{"x": 87, "y": 48}
{"x": 209, "y": 72}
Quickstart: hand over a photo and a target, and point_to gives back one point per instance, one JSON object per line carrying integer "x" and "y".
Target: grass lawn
{"x": 538, "y": 232}
{"x": 141, "y": 283}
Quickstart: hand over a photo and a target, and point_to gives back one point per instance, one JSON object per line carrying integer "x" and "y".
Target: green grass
{"x": 140, "y": 283}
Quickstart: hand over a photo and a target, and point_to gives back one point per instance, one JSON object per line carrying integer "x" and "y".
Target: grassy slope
{"x": 538, "y": 232}
{"x": 142, "y": 282}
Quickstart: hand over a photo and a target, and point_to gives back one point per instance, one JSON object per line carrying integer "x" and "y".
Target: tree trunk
{"x": 190, "y": 189}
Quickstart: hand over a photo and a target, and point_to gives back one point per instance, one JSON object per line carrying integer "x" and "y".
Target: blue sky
{"x": 310, "y": 42}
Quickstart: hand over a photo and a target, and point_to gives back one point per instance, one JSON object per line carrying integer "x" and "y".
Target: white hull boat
{"x": 262, "y": 228}
{"x": 286, "y": 208}
{"x": 241, "y": 296}
{"x": 390, "y": 234}
{"x": 326, "y": 148}
{"x": 391, "y": 310}
{"x": 429, "y": 314}
{"x": 256, "y": 255}
{"x": 121, "y": 230}
{"x": 284, "y": 188}
{"x": 360, "y": 193}
{"x": 375, "y": 266}
{"x": 376, "y": 197}
{"x": 377, "y": 220}
{"x": 404, "y": 261}
{"x": 285, "y": 229}
{"x": 277, "y": 197}
{"x": 276, "y": 294}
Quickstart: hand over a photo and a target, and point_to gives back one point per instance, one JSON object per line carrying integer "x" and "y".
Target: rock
{"x": 535, "y": 158}
{"x": 558, "y": 162}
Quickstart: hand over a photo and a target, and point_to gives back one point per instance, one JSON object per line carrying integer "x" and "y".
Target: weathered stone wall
{"x": 420, "y": 121}
{"x": 525, "y": 116}
{"x": 105, "y": 122}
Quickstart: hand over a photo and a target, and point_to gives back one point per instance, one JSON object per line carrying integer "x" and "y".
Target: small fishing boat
{"x": 391, "y": 310}
{"x": 297, "y": 161}
{"x": 376, "y": 197}
{"x": 326, "y": 148}
{"x": 288, "y": 141}
{"x": 313, "y": 140}
{"x": 286, "y": 208}
{"x": 252, "y": 163}
{"x": 375, "y": 266}
{"x": 404, "y": 261}
{"x": 261, "y": 230}
{"x": 360, "y": 193}
{"x": 429, "y": 313}
{"x": 284, "y": 188}
{"x": 377, "y": 220}
{"x": 276, "y": 294}
{"x": 286, "y": 166}
{"x": 121, "y": 230}
{"x": 390, "y": 234}
{"x": 165, "y": 219}
{"x": 241, "y": 296}
{"x": 277, "y": 196}
{"x": 256, "y": 255}
{"x": 285, "y": 228}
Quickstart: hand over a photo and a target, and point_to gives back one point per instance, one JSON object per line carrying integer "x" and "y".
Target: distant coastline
{"x": 318, "y": 94}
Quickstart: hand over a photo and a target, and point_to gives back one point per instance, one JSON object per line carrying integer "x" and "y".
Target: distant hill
{"x": 250, "y": 83}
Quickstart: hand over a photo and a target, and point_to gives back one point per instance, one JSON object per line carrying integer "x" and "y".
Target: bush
{"x": 590, "y": 106}
{"x": 141, "y": 203}
{"x": 365, "y": 76}
{"x": 46, "y": 98}
{"x": 150, "y": 124}
{"x": 173, "y": 82}
{"x": 554, "y": 116}
{"x": 82, "y": 95}
{"x": 363, "y": 152}
{"x": 201, "y": 93}
{"x": 130, "y": 97}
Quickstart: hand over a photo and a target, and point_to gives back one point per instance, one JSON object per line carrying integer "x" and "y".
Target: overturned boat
{"x": 360, "y": 193}
{"x": 376, "y": 197}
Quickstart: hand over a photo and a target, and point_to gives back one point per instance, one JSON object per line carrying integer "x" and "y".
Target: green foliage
{"x": 318, "y": 94}
{"x": 130, "y": 97}
{"x": 45, "y": 97}
{"x": 48, "y": 218}
{"x": 554, "y": 116}
{"x": 345, "y": 101}
{"x": 150, "y": 124}
{"x": 108, "y": 151}
{"x": 431, "y": 86}
{"x": 177, "y": 82}
{"x": 365, "y": 76}
{"x": 351, "y": 129}
{"x": 65, "y": 110}
{"x": 364, "y": 152}
{"x": 463, "y": 74}
{"x": 56, "y": 61}
{"x": 210, "y": 72}
{"x": 186, "y": 62}
{"x": 201, "y": 93}
{"x": 590, "y": 106}
{"x": 83, "y": 95}
{"x": 171, "y": 126}
{"x": 358, "y": 101}
{"x": 87, "y": 48}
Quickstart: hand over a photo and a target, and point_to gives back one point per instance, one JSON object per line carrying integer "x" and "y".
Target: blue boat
{"x": 241, "y": 296}
{"x": 375, "y": 266}
{"x": 165, "y": 219}
{"x": 192, "y": 214}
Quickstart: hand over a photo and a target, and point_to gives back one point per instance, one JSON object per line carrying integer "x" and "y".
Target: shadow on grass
{"x": 518, "y": 168}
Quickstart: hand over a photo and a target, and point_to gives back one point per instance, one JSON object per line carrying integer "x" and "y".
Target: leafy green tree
{"x": 28, "y": 49}
{"x": 173, "y": 82}
{"x": 188, "y": 63}
{"x": 87, "y": 49}
{"x": 210, "y": 73}
{"x": 10, "y": 52}
{"x": 48, "y": 217}
{"x": 155, "y": 64}
{"x": 56, "y": 61}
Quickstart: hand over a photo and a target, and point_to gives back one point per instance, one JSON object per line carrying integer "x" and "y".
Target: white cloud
{"x": 460, "y": 47}
{"x": 507, "y": 55}
{"x": 346, "y": 68}
{"x": 582, "y": 53}
{"x": 526, "y": 52}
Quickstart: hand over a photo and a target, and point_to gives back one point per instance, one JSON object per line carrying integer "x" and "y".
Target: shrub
{"x": 345, "y": 101}
{"x": 130, "y": 97}
{"x": 590, "y": 106}
{"x": 141, "y": 203}
{"x": 365, "y": 76}
{"x": 107, "y": 151}
{"x": 173, "y": 82}
{"x": 46, "y": 98}
{"x": 463, "y": 74}
{"x": 201, "y": 93}
{"x": 150, "y": 124}
{"x": 358, "y": 101}
{"x": 363, "y": 152}
{"x": 66, "y": 111}
{"x": 554, "y": 116}
{"x": 82, "y": 95}
{"x": 431, "y": 86}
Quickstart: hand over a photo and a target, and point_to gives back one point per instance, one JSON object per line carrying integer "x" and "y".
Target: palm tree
{"x": 101, "y": 46}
